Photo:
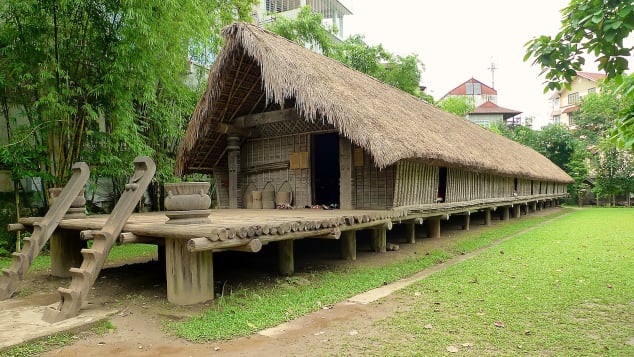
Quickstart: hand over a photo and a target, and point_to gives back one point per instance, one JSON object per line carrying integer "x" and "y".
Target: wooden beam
{"x": 253, "y": 120}
{"x": 12, "y": 227}
{"x": 381, "y": 223}
{"x": 232, "y": 130}
{"x": 202, "y": 244}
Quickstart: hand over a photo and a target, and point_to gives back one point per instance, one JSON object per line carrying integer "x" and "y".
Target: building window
{"x": 482, "y": 122}
{"x": 557, "y": 119}
{"x": 573, "y": 98}
{"x": 592, "y": 90}
{"x": 474, "y": 88}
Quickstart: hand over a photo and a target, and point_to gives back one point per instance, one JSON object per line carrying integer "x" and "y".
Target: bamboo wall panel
{"x": 523, "y": 187}
{"x": 272, "y": 151}
{"x": 415, "y": 183}
{"x": 372, "y": 188}
{"x": 221, "y": 176}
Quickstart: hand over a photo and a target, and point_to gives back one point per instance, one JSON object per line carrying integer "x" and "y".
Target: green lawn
{"x": 118, "y": 253}
{"x": 565, "y": 289}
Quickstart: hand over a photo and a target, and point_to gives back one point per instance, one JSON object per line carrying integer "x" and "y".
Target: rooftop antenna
{"x": 493, "y": 67}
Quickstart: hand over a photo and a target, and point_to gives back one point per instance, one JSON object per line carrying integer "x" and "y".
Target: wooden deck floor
{"x": 236, "y": 227}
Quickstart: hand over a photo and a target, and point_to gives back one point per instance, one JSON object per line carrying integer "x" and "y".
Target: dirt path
{"x": 325, "y": 332}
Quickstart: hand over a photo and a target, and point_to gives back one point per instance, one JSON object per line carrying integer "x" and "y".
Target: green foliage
{"x": 459, "y": 105}
{"x": 402, "y": 72}
{"x": 38, "y": 347}
{"x": 614, "y": 172}
{"x": 102, "y": 82}
{"x": 557, "y": 143}
{"x": 306, "y": 29}
{"x": 591, "y": 27}
{"x": 597, "y": 115}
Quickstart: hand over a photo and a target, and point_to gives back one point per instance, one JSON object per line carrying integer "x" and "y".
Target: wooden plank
{"x": 258, "y": 119}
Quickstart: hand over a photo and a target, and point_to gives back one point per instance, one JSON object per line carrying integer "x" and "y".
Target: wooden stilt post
{"x": 349, "y": 245}
{"x": 379, "y": 240}
{"x": 466, "y": 222}
{"x": 286, "y": 261}
{"x": 410, "y": 233}
{"x": 517, "y": 211}
{"x": 505, "y": 213}
{"x": 534, "y": 206}
{"x": 487, "y": 217}
{"x": 160, "y": 250}
{"x": 233, "y": 156}
{"x": 66, "y": 246}
{"x": 189, "y": 275}
{"x": 434, "y": 227}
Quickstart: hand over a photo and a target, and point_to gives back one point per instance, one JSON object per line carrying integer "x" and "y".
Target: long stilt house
{"x": 277, "y": 116}
{"x": 281, "y": 125}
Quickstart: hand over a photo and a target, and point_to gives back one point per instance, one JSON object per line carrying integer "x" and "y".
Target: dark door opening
{"x": 442, "y": 184}
{"x": 325, "y": 153}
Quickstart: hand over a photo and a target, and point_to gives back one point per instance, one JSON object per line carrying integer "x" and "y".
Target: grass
{"x": 118, "y": 253}
{"x": 250, "y": 310}
{"x": 563, "y": 289}
{"x": 38, "y": 347}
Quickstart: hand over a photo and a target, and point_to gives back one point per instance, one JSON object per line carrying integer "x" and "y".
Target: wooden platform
{"x": 188, "y": 248}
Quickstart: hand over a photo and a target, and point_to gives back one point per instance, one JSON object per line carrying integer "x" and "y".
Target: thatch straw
{"x": 389, "y": 124}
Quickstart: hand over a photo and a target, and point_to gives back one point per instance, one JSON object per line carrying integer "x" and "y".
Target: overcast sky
{"x": 458, "y": 39}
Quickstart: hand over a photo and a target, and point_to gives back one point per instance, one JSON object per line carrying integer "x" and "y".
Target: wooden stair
{"x": 42, "y": 231}
{"x": 84, "y": 277}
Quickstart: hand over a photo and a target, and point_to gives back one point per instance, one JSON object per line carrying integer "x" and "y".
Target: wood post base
{"x": 286, "y": 260}
{"x": 349, "y": 245}
{"x": 379, "y": 240}
{"x": 487, "y": 217}
{"x": 189, "y": 275}
{"x": 66, "y": 246}
{"x": 410, "y": 233}
{"x": 505, "y": 213}
{"x": 434, "y": 228}
{"x": 517, "y": 211}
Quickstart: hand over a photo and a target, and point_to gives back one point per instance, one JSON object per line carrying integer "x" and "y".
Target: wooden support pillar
{"x": 190, "y": 276}
{"x": 160, "y": 249}
{"x": 66, "y": 246}
{"x": 540, "y": 206}
{"x": 505, "y": 213}
{"x": 487, "y": 217}
{"x": 466, "y": 222}
{"x": 345, "y": 173}
{"x": 379, "y": 240}
{"x": 285, "y": 259}
{"x": 233, "y": 156}
{"x": 533, "y": 206}
{"x": 410, "y": 233}
{"x": 517, "y": 211}
{"x": 349, "y": 245}
{"x": 434, "y": 227}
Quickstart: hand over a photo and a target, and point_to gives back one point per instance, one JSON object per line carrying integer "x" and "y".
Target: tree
{"x": 597, "y": 114}
{"x": 459, "y": 105}
{"x": 591, "y": 27}
{"x": 614, "y": 173}
{"x": 306, "y": 29}
{"x": 102, "y": 81}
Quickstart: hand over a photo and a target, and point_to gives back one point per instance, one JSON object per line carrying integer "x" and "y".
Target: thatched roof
{"x": 258, "y": 70}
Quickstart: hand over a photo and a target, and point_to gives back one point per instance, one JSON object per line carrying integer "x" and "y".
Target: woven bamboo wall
{"x": 372, "y": 188}
{"x": 524, "y": 187}
{"x": 416, "y": 183}
{"x": 221, "y": 175}
{"x": 267, "y": 160}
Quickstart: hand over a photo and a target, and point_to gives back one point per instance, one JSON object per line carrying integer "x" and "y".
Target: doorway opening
{"x": 442, "y": 185}
{"x": 326, "y": 175}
